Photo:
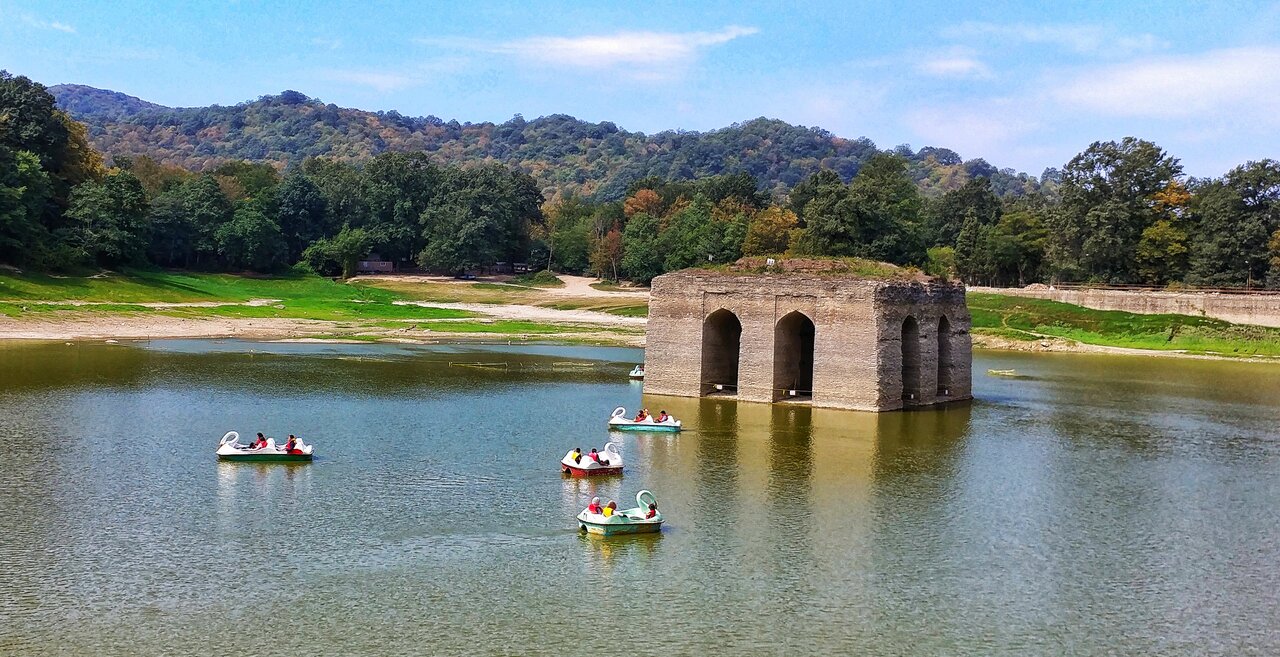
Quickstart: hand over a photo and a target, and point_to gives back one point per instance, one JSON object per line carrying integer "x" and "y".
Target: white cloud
{"x": 48, "y": 25}
{"x": 1218, "y": 84}
{"x": 330, "y": 44}
{"x": 955, "y": 66}
{"x": 643, "y": 53}
{"x": 1084, "y": 39}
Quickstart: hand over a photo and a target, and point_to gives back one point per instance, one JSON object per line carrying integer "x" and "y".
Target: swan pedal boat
{"x": 625, "y": 521}
{"x": 230, "y": 449}
{"x": 637, "y": 372}
{"x": 619, "y": 421}
{"x": 585, "y": 467}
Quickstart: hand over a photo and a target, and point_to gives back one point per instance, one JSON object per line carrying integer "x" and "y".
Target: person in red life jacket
{"x": 653, "y": 511}
{"x": 594, "y": 507}
{"x": 291, "y": 447}
{"x": 595, "y": 456}
{"x": 640, "y": 417}
{"x": 662, "y": 417}
{"x": 260, "y": 442}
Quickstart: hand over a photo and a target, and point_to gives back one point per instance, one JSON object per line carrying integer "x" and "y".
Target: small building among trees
{"x": 374, "y": 264}
{"x": 836, "y": 333}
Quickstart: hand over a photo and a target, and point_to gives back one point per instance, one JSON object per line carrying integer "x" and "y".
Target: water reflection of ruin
{"x": 836, "y": 340}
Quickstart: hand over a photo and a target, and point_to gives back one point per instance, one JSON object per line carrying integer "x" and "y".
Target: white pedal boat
{"x": 637, "y": 372}
{"x": 230, "y": 449}
{"x": 585, "y": 466}
{"x": 620, "y": 422}
{"x": 625, "y": 521}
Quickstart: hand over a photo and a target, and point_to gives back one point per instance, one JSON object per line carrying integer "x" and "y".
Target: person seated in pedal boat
{"x": 640, "y": 417}
{"x": 576, "y": 454}
{"x": 653, "y": 511}
{"x": 594, "y": 507}
{"x": 259, "y": 442}
{"x": 610, "y": 508}
{"x": 291, "y": 447}
{"x": 595, "y": 456}
{"x": 662, "y": 417}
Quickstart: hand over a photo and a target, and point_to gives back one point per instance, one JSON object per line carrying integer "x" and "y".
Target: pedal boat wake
{"x": 585, "y": 466}
{"x": 625, "y": 521}
{"x": 619, "y": 421}
{"x": 230, "y": 449}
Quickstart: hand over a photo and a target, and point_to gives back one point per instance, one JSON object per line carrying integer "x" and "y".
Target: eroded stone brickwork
{"x": 855, "y": 325}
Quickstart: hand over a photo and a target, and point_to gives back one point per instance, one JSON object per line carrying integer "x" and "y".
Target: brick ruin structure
{"x": 825, "y": 332}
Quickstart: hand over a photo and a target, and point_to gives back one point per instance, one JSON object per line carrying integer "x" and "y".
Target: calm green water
{"x": 1101, "y": 505}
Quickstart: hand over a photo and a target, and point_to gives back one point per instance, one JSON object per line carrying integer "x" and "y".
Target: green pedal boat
{"x": 627, "y": 521}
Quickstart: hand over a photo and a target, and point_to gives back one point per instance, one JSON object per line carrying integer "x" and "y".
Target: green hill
{"x": 563, "y": 153}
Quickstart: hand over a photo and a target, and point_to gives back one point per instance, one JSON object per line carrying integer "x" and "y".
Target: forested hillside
{"x": 461, "y": 197}
{"x": 564, "y": 154}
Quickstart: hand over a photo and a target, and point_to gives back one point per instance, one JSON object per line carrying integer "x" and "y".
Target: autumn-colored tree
{"x": 607, "y": 255}
{"x": 644, "y": 200}
{"x": 769, "y": 232}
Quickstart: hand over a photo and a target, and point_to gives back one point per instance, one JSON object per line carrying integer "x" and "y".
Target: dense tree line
{"x": 61, "y": 208}
{"x": 1119, "y": 212}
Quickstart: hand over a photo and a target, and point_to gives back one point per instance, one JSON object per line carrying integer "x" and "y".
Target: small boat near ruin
{"x": 579, "y": 464}
{"x": 619, "y": 421}
{"x": 1002, "y": 373}
{"x": 625, "y": 521}
{"x": 230, "y": 449}
{"x": 637, "y": 372}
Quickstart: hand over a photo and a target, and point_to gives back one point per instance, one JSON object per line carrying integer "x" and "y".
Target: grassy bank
{"x": 356, "y": 311}
{"x": 1018, "y": 318}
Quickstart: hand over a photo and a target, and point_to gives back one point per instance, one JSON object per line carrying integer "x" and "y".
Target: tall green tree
{"x": 946, "y": 216}
{"x": 302, "y": 213}
{"x": 1108, "y": 197}
{"x": 398, "y": 188}
{"x": 890, "y": 205}
{"x": 340, "y": 183}
{"x": 110, "y": 220}
{"x": 482, "y": 215}
{"x": 25, "y": 193}
{"x": 251, "y": 240}
{"x": 821, "y": 182}
{"x": 642, "y": 256}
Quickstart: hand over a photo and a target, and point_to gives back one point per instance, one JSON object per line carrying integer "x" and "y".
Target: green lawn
{"x": 295, "y": 296}
{"x": 1027, "y": 319}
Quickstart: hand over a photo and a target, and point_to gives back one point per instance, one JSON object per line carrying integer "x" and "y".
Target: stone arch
{"x": 944, "y": 356}
{"x": 910, "y": 360}
{"x": 721, "y": 349}
{"x": 793, "y": 341}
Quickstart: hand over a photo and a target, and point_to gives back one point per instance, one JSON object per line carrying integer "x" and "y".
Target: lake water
{"x": 1096, "y": 505}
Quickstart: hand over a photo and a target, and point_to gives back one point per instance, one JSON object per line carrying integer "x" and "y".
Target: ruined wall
{"x": 857, "y": 338}
{"x": 927, "y": 304}
{"x": 1260, "y": 309}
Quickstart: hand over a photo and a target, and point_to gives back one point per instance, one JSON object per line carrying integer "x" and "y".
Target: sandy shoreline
{"x": 75, "y": 326}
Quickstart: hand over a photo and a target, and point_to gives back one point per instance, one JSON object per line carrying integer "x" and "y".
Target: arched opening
{"x": 910, "y": 360}
{"x": 944, "y": 357}
{"x": 793, "y": 339}
{"x": 721, "y": 339}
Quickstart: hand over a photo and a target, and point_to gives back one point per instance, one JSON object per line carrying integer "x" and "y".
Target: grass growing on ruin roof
{"x": 1029, "y": 319}
{"x": 815, "y": 266}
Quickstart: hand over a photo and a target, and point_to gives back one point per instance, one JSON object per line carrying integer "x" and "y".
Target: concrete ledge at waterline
{"x": 870, "y": 337}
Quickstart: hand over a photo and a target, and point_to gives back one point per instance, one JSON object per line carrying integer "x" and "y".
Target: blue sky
{"x": 1024, "y": 85}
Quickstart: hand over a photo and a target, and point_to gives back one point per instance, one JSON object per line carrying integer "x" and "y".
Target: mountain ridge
{"x": 563, "y": 153}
